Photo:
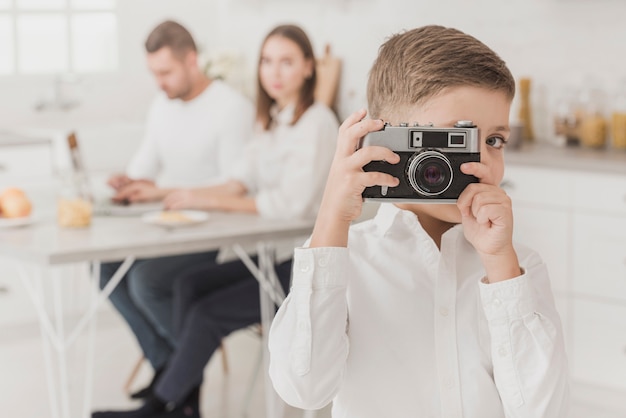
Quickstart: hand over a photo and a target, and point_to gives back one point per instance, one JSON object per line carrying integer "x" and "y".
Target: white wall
{"x": 552, "y": 41}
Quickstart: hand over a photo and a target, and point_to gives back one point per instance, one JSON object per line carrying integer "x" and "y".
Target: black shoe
{"x": 189, "y": 408}
{"x": 151, "y": 408}
{"x": 147, "y": 391}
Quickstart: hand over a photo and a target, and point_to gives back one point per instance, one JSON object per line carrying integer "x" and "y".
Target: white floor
{"x": 23, "y": 389}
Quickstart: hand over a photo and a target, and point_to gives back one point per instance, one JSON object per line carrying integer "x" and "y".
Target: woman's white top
{"x": 285, "y": 168}
{"x": 393, "y": 327}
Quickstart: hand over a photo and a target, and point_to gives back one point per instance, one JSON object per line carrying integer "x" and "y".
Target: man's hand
{"x": 342, "y": 201}
{"x": 139, "y": 191}
{"x": 118, "y": 181}
{"x": 487, "y": 218}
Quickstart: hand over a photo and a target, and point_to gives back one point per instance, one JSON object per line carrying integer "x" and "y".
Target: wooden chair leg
{"x": 224, "y": 358}
{"x": 133, "y": 374}
{"x": 135, "y": 371}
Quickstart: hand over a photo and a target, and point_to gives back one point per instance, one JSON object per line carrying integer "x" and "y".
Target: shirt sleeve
{"x": 145, "y": 163}
{"x": 308, "y": 340}
{"x": 300, "y": 189}
{"x": 527, "y": 344}
{"x": 244, "y": 167}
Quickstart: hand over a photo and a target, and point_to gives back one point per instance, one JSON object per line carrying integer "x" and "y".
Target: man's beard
{"x": 181, "y": 93}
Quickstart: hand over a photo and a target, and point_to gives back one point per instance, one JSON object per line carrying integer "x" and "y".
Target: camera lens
{"x": 432, "y": 174}
{"x": 429, "y": 173}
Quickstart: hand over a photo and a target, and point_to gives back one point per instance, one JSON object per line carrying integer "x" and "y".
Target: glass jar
{"x": 74, "y": 207}
{"x": 593, "y": 124}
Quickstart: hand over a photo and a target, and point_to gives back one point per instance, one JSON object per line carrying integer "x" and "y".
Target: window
{"x": 57, "y": 36}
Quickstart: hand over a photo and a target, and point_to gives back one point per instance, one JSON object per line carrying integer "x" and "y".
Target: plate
{"x": 175, "y": 218}
{"x": 15, "y": 222}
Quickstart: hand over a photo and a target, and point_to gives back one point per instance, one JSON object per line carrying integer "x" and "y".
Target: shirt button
{"x": 322, "y": 262}
{"x": 304, "y": 266}
{"x": 443, "y": 311}
{"x": 503, "y": 351}
{"x": 449, "y": 383}
{"x": 497, "y": 303}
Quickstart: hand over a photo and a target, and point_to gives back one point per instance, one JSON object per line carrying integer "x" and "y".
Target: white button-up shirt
{"x": 194, "y": 143}
{"x": 393, "y": 327}
{"x": 286, "y": 167}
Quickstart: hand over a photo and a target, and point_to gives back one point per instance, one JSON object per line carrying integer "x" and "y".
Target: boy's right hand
{"x": 342, "y": 201}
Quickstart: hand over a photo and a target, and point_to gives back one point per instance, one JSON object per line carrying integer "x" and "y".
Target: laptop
{"x": 103, "y": 206}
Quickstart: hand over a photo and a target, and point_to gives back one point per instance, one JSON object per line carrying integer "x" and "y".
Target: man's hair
{"x": 173, "y": 35}
{"x": 306, "y": 98}
{"x": 414, "y": 66}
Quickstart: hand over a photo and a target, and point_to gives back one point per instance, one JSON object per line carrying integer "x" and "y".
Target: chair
{"x": 328, "y": 69}
{"x": 135, "y": 370}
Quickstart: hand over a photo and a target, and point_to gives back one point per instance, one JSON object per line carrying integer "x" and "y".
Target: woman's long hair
{"x": 306, "y": 97}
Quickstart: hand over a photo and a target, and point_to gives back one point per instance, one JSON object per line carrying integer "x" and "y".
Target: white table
{"x": 43, "y": 245}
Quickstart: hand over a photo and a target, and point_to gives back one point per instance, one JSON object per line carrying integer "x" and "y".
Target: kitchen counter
{"x": 9, "y": 138}
{"x": 569, "y": 158}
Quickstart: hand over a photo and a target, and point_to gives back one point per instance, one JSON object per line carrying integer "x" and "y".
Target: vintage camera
{"x": 430, "y": 160}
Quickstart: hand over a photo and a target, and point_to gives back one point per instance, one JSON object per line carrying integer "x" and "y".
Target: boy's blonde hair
{"x": 414, "y": 66}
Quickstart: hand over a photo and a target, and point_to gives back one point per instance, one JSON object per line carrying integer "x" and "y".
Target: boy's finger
{"x": 349, "y": 139}
{"x": 464, "y": 202}
{"x": 352, "y": 119}
{"x": 375, "y": 178}
{"x": 477, "y": 195}
{"x": 478, "y": 170}
{"x": 374, "y": 153}
{"x": 490, "y": 214}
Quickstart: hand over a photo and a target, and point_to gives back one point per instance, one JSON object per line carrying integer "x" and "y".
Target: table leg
{"x": 271, "y": 295}
{"x": 62, "y": 352}
{"x": 274, "y": 405}
{"x": 54, "y": 337}
{"x": 91, "y": 340}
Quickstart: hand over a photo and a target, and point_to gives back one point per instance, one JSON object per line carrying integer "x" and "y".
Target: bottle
{"x": 567, "y": 117}
{"x": 618, "y": 118}
{"x": 525, "y": 113}
{"x": 593, "y": 125}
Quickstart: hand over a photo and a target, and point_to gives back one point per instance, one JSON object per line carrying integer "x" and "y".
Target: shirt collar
{"x": 390, "y": 216}
{"x": 386, "y": 216}
{"x": 284, "y": 116}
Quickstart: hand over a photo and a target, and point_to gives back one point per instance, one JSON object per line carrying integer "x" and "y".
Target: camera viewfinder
{"x": 456, "y": 139}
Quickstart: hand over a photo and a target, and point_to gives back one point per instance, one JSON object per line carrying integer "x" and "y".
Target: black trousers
{"x": 203, "y": 315}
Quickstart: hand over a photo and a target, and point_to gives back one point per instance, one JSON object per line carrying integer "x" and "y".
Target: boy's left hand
{"x": 487, "y": 218}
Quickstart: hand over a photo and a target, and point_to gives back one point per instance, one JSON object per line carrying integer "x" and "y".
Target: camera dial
{"x": 464, "y": 124}
{"x": 429, "y": 173}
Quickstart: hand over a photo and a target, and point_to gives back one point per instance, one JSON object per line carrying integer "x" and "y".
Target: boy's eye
{"x": 496, "y": 142}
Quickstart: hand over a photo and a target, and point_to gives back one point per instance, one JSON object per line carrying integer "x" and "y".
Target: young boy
{"x": 427, "y": 310}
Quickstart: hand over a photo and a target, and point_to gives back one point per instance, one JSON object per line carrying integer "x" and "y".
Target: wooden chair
{"x": 328, "y": 69}
{"x": 137, "y": 367}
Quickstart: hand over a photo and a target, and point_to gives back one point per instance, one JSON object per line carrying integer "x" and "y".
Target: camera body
{"x": 430, "y": 160}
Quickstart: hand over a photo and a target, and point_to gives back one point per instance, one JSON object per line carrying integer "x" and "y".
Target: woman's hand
{"x": 186, "y": 199}
{"x": 342, "y": 201}
{"x": 487, "y": 218}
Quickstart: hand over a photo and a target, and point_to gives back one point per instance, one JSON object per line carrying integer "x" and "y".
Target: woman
{"x": 281, "y": 174}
